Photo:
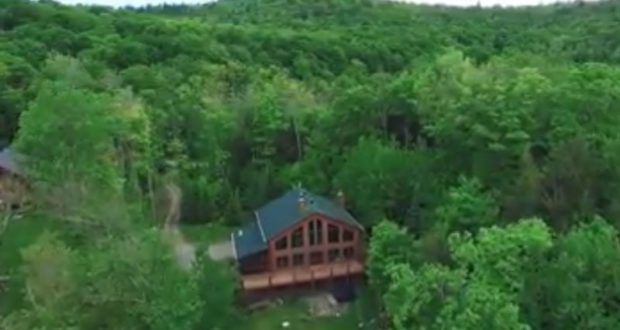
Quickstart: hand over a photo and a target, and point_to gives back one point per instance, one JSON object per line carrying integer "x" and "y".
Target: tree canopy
{"x": 487, "y": 136}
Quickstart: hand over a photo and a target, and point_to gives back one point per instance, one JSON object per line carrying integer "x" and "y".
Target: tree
{"x": 389, "y": 245}
{"x": 479, "y": 289}
{"x": 80, "y": 124}
{"x": 218, "y": 286}
{"x": 124, "y": 284}
{"x": 49, "y": 286}
{"x": 77, "y": 176}
{"x": 467, "y": 207}
{"x": 389, "y": 171}
{"x": 483, "y": 115}
{"x": 578, "y": 286}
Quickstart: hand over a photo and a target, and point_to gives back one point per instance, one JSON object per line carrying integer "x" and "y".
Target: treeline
{"x": 520, "y": 276}
{"x": 445, "y": 121}
{"x": 272, "y": 98}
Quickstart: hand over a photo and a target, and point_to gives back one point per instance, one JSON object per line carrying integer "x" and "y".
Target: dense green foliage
{"x": 489, "y": 138}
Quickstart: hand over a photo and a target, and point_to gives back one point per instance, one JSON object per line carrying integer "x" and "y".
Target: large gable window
{"x": 316, "y": 258}
{"x": 347, "y": 235}
{"x": 282, "y": 243}
{"x": 315, "y": 229}
{"x": 333, "y": 255}
{"x": 282, "y": 262}
{"x": 298, "y": 259}
{"x": 297, "y": 237}
{"x": 348, "y": 253}
{"x": 333, "y": 233}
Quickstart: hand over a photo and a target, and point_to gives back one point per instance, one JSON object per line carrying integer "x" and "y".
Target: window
{"x": 312, "y": 232}
{"x": 333, "y": 255}
{"x": 333, "y": 234}
{"x": 281, "y": 262}
{"x": 282, "y": 243}
{"x": 315, "y": 232}
{"x": 298, "y": 237}
{"x": 319, "y": 231}
{"x": 348, "y": 253}
{"x": 316, "y": 258}
{"x": 298, "y": 259}
{"x": 347, "y": 235}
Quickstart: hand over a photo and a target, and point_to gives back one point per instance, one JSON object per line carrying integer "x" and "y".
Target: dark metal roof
{"x": 247, "y": 241}
{"x": 282, "y": 213}
{"x": 285, "y": 212}
{"x": 7, "y": 161}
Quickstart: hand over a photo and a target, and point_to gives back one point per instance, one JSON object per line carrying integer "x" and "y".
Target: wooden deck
{"x": 301, "y": 275}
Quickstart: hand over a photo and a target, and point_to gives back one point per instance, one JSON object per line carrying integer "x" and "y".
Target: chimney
{"x": 301, "y": 202}
{"x": 340, "y": 199}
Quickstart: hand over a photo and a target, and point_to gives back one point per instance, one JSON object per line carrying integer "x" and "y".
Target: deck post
{"x": 349, "y": 272}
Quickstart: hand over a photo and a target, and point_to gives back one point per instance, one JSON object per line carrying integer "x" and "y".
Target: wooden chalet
{"x": 299, "y": 239}
{"x": 13, "y": 186}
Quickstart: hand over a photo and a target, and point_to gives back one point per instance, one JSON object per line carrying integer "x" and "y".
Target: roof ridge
{"x": 234, "y": 245}
{"x": 260, "y": 226}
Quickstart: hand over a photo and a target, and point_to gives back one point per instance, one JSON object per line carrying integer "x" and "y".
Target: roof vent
{"x": 239, "y": 232}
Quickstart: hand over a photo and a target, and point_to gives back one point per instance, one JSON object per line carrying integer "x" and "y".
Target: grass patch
{"x": 296, "y": 312}
{"x": 204, "y": 234}
{"x": 19, "y": 234}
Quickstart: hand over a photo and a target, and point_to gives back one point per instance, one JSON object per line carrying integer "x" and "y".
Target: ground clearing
{"x": 205, "y": 234}
{"x": 297, "y": 313}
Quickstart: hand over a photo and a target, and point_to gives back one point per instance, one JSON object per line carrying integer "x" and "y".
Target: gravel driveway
{"x": 221, "y": 251}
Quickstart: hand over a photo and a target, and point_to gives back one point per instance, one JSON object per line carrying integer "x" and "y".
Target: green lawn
{"x": 296, "y": 312}
{"x": 205, "y": 234}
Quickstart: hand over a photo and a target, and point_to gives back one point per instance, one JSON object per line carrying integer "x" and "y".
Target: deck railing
{"x": 308, "y": 274}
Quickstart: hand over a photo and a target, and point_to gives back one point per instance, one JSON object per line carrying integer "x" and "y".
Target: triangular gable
{"x": 284, "y": 212}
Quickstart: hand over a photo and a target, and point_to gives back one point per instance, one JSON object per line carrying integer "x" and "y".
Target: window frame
{"x": 297, "y": 236}
{"x": 334, "y": 255}
{"x": 284, "y": 264}
{"x": 313, "y": 260}
{"x": 296, "y": 259}
{"x": 346, "y": 255}
{"x": 348, "y": 238}
{"x": 279, "y": 246}
{"x": 333, "y": 234}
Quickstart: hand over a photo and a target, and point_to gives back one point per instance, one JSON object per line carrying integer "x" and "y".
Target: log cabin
{"x": 13, "y": 186}
{"x": 298, "y": 239}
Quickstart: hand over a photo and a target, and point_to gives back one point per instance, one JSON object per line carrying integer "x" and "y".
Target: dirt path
{"x": 185, "y": 251}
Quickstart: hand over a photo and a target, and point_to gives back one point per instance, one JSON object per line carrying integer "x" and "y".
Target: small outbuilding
{"x": 13, "y": 186}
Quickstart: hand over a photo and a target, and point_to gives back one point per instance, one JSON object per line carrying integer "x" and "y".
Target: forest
{"x": 479, "y": 147}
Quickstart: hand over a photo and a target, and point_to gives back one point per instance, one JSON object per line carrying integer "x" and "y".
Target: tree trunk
{"x": 297, "y": 139}
{"x": 151, "y": 193}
